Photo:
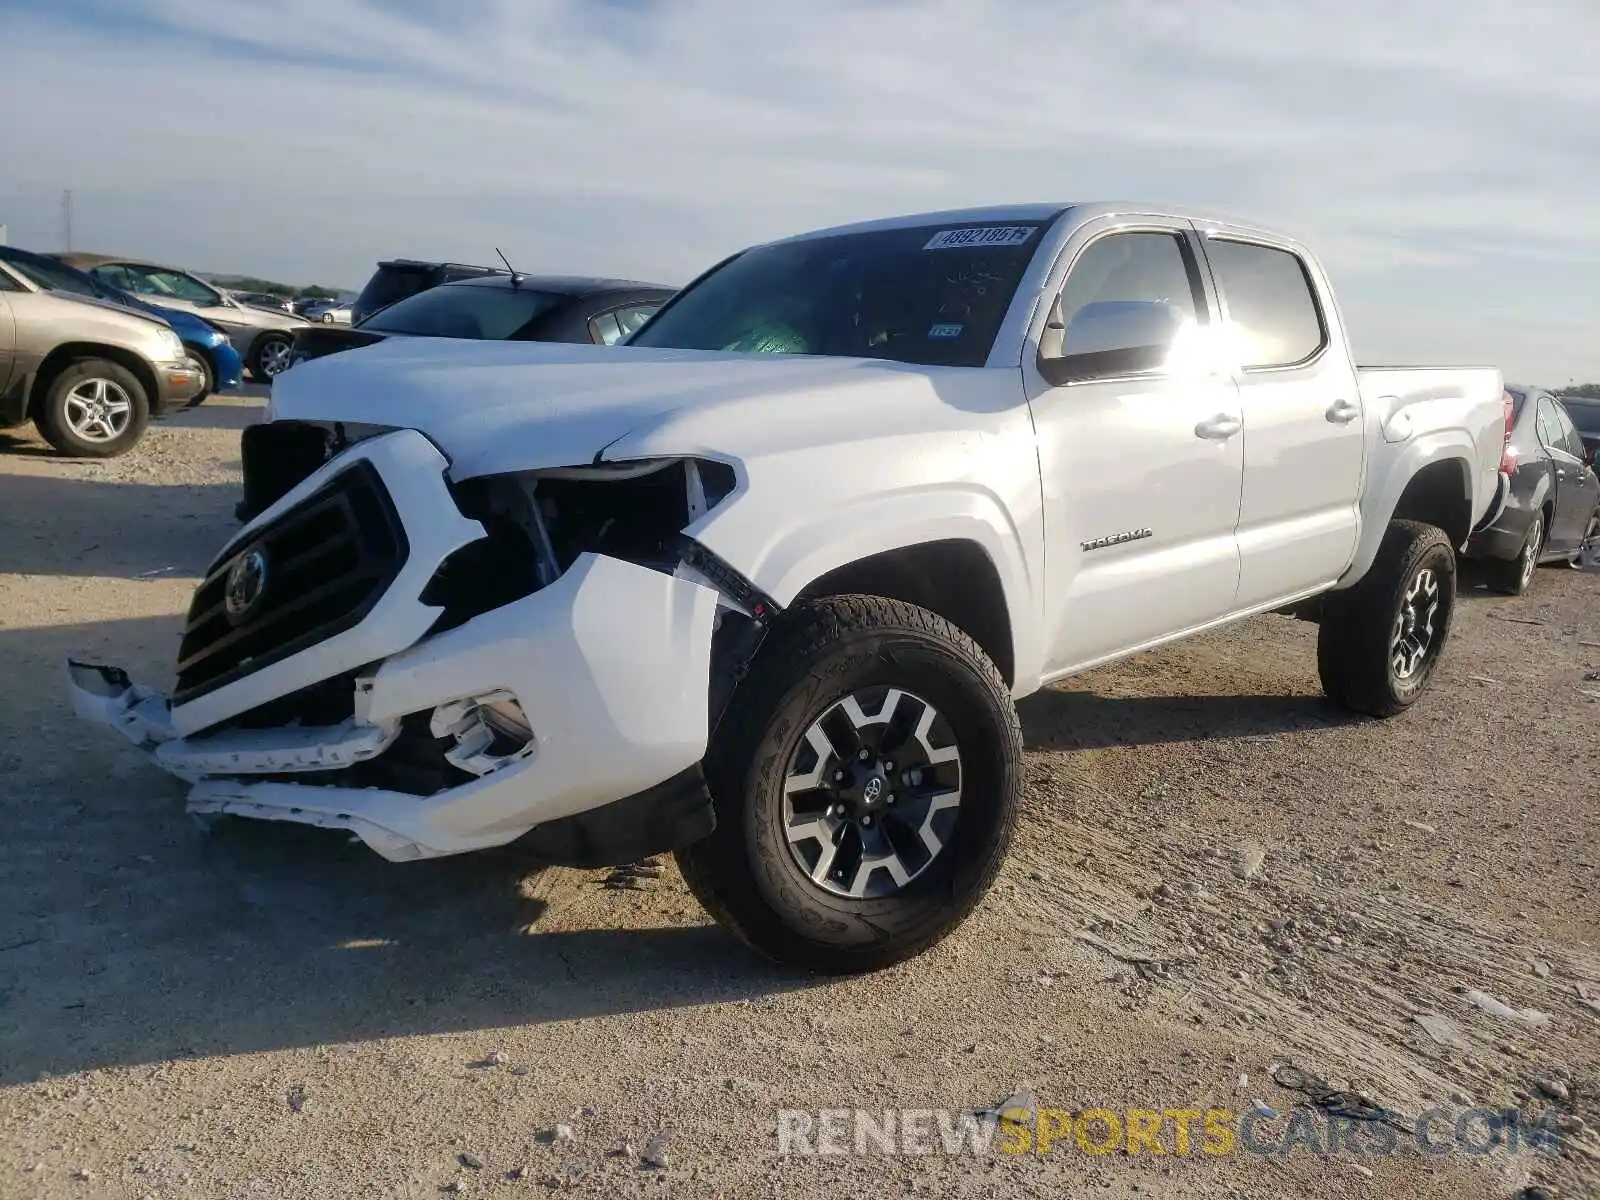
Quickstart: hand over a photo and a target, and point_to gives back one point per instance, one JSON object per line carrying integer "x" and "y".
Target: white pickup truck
{"x": 761, "y": 586}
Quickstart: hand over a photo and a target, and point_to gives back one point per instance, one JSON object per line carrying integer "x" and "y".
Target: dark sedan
{"x": 534, "y": 308}
{"x": 538, "y": 308}
{"x": 1554, "y": 502}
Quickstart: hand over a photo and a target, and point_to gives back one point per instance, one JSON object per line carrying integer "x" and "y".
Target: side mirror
{"x": 1107, "y": 338}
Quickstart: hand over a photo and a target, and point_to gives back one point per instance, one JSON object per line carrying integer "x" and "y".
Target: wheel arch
{"x": 1432, "y": 482}
{"x": 68, "y": 353}
{"x": 953, "y": 577}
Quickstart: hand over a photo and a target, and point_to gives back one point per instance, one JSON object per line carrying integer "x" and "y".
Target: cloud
{"x": 1441, "y": 156}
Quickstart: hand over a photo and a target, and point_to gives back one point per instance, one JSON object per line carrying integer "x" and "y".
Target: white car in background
{"x": 262, "y": 336}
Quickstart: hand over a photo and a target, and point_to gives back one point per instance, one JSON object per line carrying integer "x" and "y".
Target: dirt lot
{"x": 265, "y": 1012}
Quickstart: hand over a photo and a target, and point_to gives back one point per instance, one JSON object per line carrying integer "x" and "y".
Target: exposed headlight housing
{"x": 539, "y": 522}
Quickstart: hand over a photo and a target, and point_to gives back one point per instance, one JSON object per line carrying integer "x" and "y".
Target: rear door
{"x": 1304, "y": 439}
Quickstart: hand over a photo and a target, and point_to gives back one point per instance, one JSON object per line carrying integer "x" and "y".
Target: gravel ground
{"x": 1217, "y": 872}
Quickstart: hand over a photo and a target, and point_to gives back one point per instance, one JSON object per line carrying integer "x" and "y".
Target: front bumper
{"x": 610, "y": 666}
{"x": 177, "y": 383}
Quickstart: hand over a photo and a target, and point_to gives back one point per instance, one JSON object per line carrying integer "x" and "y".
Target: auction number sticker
{"x": 989, "y": 236}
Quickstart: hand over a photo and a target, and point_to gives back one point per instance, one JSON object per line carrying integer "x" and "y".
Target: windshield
{"x": 930, "y": 294}
{"x": 494, "y": 314}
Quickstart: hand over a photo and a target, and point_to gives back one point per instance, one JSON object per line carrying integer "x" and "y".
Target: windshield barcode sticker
{"x": 989, "y": 236}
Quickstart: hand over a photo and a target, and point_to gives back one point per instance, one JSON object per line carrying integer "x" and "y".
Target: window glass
{"x": 1272, "y": 309}
{"x": 927, "y": 294}
{"x": 175, "y": 285}
{"x": 605, "y": 328}
{"x": 51, "y": 275}
{"x": 1585, "y": 415}
{"x": 633, "y": 317}
{"x": 464, "y": 310}
{"x": 1128, "y": 300}
{"x": 1566, "y": 431}
{"x": 8, "y": 284}
{"x": 119, "y": 277}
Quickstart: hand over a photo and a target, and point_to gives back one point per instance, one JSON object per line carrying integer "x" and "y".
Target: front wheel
{"x": 269, "y": 356}
{"x": 1381, "y": 639}
{"x": 93, "y": 409}
{"x": 201, "y": 363}
{"x": 866, "y": 782}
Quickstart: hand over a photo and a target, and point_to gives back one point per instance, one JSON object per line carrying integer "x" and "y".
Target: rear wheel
{"x": 1590, "y": 543}
{"x": 866, "y": 781}
{"x": 1381, "y": 639}
{"x": 1514, "y": 577}
{"x": 93, "y": 409}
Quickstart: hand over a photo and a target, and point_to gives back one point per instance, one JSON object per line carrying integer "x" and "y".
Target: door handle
{"x": 1342, "y": 412}
{"x": 1219, "y": 428}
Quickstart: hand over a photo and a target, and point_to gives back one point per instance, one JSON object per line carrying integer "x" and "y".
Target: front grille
{"x": 328, "y": 560}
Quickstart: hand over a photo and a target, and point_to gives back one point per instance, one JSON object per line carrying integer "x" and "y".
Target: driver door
{"x": 1141, "y": 446}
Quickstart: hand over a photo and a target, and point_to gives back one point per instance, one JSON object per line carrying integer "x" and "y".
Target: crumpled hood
{"x": 494, "y": 407}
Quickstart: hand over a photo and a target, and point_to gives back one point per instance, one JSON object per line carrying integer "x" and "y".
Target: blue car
{"x": 206, "y": 344}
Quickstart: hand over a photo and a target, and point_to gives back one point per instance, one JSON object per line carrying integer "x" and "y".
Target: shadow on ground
{"x": 127, "y": 936}
{"x": 1056, "y": 719}
{"x": 76, "y": 525}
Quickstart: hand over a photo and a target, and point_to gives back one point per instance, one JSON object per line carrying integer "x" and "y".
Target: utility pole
{"x": 66, "y": 218}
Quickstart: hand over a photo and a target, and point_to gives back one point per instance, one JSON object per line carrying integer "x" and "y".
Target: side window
{"x": 1549, "y": 431}
{"x": 1128, "y": 299}
{"x": 1271, "y": 305}
{"x": 1570, "y": 441}
{"x": 634, "y": 316}
{"x": 8, "y": 284}
{"x": 605, "y": 329}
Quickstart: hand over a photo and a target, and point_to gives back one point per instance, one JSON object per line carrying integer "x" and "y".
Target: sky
{"x": 1442, "y": 156}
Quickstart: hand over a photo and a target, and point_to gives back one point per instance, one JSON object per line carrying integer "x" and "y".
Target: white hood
{"x": 494, "y": 407}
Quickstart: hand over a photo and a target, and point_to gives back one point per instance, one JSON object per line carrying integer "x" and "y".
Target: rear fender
{"x": 1391, "y": 475}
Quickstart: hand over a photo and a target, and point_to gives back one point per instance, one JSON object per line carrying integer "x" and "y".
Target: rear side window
{"x": 610, "y": 328}
{"x": 1270, "y": 303}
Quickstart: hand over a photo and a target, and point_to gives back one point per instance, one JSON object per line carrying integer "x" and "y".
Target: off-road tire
{"x": 50, "y": 413}
{"x": 818, "y": 653}
{"x": 1355, "y": 641}
{"x": 1512, "y": 577}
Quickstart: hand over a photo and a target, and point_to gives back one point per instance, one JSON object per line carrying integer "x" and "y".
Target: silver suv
{"x": 88, "y": 373}
{"x": 262, "y": 336}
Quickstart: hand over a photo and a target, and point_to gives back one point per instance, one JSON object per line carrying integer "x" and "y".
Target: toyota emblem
{"x": 873, "y": 790}
{"x": 247, "y": 583}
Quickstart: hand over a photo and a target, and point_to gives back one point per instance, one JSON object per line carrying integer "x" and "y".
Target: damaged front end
{"x": 441, "y": 666}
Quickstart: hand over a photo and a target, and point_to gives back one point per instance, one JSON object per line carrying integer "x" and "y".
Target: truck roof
{"x": 1033, "y": 212}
